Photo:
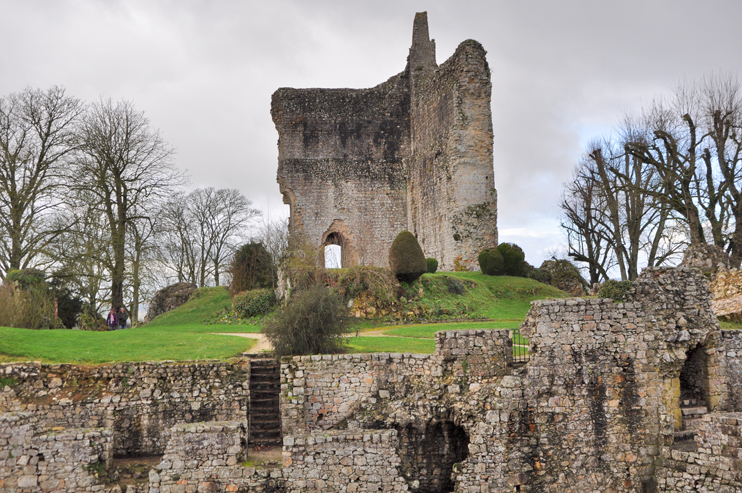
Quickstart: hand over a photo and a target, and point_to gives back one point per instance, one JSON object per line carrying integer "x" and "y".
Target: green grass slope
{"x": 177, "y": 335}
{"x": 503, "y": 300}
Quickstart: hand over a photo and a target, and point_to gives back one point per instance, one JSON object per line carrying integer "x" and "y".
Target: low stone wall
{"x": 140, "y": 402}
{"x": 730, "y": 345}
{"x": 354, "y": 461}
{"x": 716, "y": 464}
{"x": 205, "y": 457}
{"x": 34, "y": 458}
{"x": 475, "y": 353}
{"x": 319, "y": 392}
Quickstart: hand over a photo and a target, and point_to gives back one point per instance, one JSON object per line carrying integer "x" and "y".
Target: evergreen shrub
{"x": 514, "y": 259}
{"x": 432, "y": 265}
{"x": 491, "y": 262}
{"x": 406, "y": 258}
{"x": 253, "y": 303}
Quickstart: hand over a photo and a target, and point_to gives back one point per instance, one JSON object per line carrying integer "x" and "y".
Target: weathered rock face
{"x": 565, "y": 276}
{"x": 414, "y": 153}
{"x": 708, "y": 258}
{"x": 726, "y": 290}
{"x": 169, "y": 298}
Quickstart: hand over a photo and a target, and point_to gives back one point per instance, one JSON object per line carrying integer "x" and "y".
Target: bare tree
{"x": 82, "y": 255}
{"x": 274, "y": 235}
{"x": 587, "y": 240}
{"x": 695, "y": 147}
{"x": 141, "y": 256}
{"x": 178, "y": 251}
{"x": 202, "y": 230}
{"x": 127, "y": 166}
{"x": 221, "y": 217}
{"x": 36, "y": 138}
{"x": 609, "y": 216}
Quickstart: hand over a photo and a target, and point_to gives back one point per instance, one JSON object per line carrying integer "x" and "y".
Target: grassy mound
{"x": 177, "y": 335}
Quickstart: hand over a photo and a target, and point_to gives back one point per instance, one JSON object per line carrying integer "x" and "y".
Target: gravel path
{"x": 262, "y": 345}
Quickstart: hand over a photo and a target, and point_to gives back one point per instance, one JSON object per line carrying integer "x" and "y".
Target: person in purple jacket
{"x": 112, "y": 321}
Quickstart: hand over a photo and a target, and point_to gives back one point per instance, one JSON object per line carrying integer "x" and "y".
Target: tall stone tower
{"x": 357, "y": 166}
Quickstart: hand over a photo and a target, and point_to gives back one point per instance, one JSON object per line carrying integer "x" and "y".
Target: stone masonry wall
{"x": 731, "y": 349}
{"x": 714, "y": 465}
{"x": 138, "y": 401}
{"x": 412, "y": 153}
{"x": 36, "y": 458}
{"x": 341, "y": 165}
{"x": 451, "y": 202}
{"x": 319, "y": 392}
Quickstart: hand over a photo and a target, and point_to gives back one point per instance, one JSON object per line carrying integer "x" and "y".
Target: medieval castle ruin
{"x": 358, "y": 166}
{"x": 634, "y": 397}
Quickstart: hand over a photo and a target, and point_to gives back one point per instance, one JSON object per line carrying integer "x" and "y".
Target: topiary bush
{"x": 491, "y": 262}
{"x": 253, "y": 303}
{"x": 314, "y": 322}
{"x": 406, "y": 258}
{"x": 618, "y": 291}
{"x": 514, "y": 259}
{"x": 432, "y": 265}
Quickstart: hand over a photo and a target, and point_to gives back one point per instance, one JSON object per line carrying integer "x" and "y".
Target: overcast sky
{"x": 563, "y": 73}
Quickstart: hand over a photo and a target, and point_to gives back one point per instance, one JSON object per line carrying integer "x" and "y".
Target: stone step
{"x": 694, "y": 411}
{"x": 684, "y": 435}
{"x": 690, "y": 403}
{"x": 265, "y": 413}
{"x": 265, "y": 373}
{"x": 264, "y": 362}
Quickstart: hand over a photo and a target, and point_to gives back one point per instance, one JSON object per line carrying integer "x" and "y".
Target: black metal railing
{"x": 520, "y": 347}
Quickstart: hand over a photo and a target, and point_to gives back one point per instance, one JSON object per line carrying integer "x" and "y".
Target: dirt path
{"x": 262, "y": 345}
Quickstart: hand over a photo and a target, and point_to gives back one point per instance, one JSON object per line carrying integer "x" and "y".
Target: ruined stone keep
{"x": 358, "y": 166}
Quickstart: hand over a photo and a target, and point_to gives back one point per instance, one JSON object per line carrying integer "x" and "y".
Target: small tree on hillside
{"x": 313, "y": 323}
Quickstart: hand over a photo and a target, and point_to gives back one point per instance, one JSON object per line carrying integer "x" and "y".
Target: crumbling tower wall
{"x": 359, "y": 166}
{"x": 451, "y": 200}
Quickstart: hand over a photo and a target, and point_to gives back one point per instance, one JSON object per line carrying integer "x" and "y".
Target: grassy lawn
{"x": 182, "y": 335}
{"x": 177, "y": 335}
{"x": 427, "y": 331}
{"x": 365, "y": 344}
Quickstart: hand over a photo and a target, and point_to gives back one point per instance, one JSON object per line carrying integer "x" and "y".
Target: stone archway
{"x": 338, "y": 234}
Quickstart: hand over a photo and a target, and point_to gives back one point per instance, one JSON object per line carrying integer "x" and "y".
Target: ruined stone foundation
{"x": 358, "y": 166}
{"x": 634, "y": 397}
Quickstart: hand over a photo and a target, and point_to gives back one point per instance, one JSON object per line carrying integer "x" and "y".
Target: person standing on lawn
{"x": 112, "y": 321}
{"x": 123, "y": 317}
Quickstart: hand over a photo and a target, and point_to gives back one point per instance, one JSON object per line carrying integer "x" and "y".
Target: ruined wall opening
{"x": 335, "y": 252}
{"x": 694, "y": 378}
{"x": 428, "y": 455}
{"x": 694, "y": 388}
{"x": 333, "y": 257}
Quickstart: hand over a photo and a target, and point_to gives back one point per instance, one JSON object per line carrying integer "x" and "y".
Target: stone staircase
{"x": 265, "y": 414}
{"x": 692, "y": 411}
